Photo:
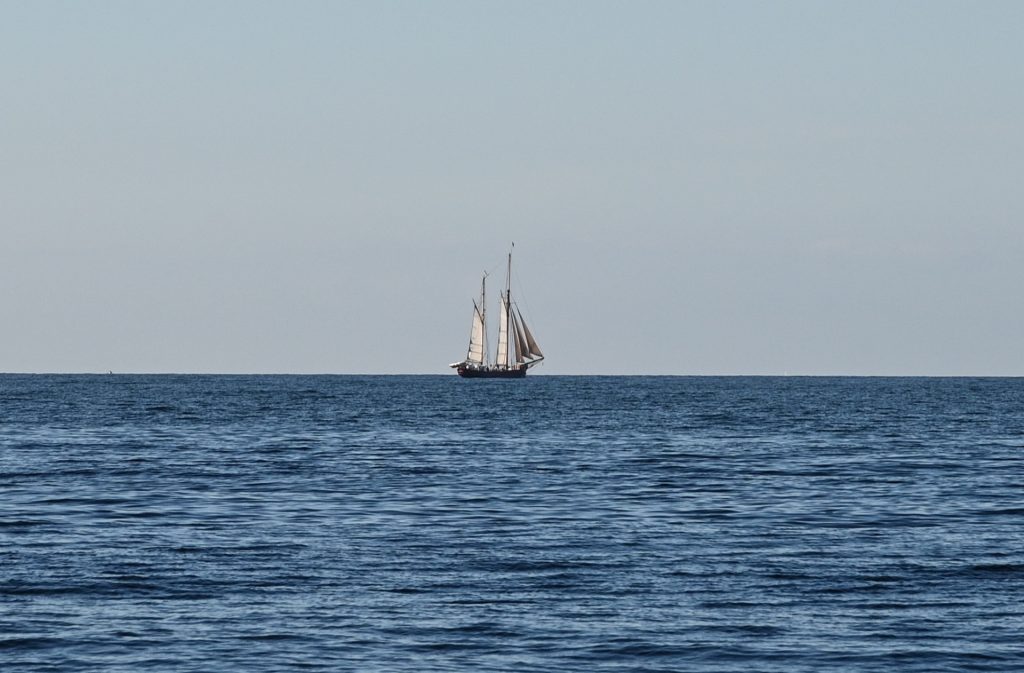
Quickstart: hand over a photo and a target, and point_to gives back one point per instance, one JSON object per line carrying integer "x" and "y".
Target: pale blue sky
{"x": 693, "y": 188}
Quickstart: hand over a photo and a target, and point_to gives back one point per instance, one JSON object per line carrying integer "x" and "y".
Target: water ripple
{"x": 195, "y": 523}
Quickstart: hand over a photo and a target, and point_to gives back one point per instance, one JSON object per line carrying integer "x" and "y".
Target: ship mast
{"x": 503, "y": 357}
{"x": 508, "y": 307}
{"x": 483, "y": 318}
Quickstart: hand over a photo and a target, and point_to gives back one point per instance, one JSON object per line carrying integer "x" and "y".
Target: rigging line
{"x": 493, "y": 268}
{"x": 520, "y": 293}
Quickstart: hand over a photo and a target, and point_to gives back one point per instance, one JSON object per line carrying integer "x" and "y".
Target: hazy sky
{"x": 692, "y": 187}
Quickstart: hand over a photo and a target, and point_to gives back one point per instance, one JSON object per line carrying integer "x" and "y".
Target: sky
{"x": 723, "y": 187}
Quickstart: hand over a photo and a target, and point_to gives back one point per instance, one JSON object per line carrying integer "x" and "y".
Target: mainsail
{"x": 501, "y": 358}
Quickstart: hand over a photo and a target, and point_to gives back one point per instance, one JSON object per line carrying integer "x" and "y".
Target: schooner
{"x": 517, "y": 349}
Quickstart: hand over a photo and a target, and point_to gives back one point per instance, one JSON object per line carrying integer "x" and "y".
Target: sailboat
{"x": 517, "y": 349}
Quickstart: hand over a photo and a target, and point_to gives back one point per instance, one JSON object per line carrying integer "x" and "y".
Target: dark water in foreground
{"x": 193, "y": 523}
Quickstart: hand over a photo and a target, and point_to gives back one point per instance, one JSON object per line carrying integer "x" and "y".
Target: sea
{"x": 556, "y": 523}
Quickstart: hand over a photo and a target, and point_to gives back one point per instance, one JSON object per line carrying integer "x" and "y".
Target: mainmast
{"x": 508, "y": 303}
{"x": 503, "y": 356}
{"x": 483, "y": 317}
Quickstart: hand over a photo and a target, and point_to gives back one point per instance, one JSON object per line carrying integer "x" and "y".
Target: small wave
{"x": 998, "y": 568}
{"x": 887, "y": 606}
{"x": 405, "y": 590}
{"x": 485, "y": 628}
{"x": 1007, "y": 511}
{"x": 25, "y": 523}
{"x": 273, "y": 637}
{"x": 160, "y": 408}
{"x": 764, "y": 630}
{"x": 35, "y": 590}
{"x": 646, "y": 649}
{"x": 729, "y": 605}
{"x": 536, "y": 566}
{"x": 29, "y": 643}
{"x": 71, "y": 500}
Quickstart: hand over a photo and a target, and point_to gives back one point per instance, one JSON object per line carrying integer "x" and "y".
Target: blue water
{"x": 278, "y": 523}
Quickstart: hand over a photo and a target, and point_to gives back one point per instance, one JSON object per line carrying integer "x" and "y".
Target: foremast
{"x": 476, "y": 355}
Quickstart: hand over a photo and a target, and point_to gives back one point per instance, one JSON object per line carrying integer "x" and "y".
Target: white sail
{"x": 502, "y": 356}
{"x": 476, "y": 338}
{"x": 531, "y": 345}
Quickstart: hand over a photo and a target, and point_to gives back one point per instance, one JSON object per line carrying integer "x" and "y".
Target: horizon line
{"x": 566, "y": 375}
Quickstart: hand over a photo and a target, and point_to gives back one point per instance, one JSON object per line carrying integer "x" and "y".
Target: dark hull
{"x": 467, "y": 373}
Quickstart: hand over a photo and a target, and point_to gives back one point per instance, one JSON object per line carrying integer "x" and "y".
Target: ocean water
{"x": 287, "y": 523}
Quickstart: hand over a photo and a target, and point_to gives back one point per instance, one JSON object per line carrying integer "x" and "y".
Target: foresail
{"x": 532, "y": 349}
{"x": 476, "y": 338}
